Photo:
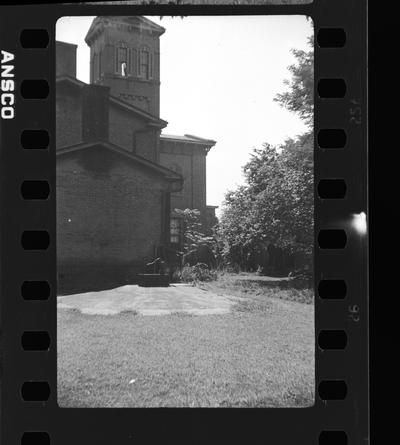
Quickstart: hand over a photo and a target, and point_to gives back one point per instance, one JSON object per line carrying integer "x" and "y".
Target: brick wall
{"x": 123, "y": 130}
{"x": 191, "y": 160}
{"x": 199, "y": 180}
{"x": 68, "y": 116}
{"x": 128, "y": 132}
{"x": 108, "y": 220}
{"x": 181, "y": 164}
{"x": 65, "y": 59}
{"x": 95, "y": 113}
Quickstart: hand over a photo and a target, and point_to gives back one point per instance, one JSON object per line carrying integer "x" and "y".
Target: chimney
{"x": 65, "y": 59}
{"x": 95, "y": 112}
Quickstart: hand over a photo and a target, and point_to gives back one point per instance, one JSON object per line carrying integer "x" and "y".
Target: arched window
{"x": 121, "y": 60}
{"x": 145, "y": 64}
{"x": 133, "y": 69}
{"x": 94, "y": 67}
{"x": 99, "y": 68}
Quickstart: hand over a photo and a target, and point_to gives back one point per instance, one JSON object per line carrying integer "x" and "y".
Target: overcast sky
{"x": 219, "y": 76}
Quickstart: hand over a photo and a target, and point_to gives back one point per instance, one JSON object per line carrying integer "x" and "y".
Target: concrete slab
{"x": 149, "y": 301}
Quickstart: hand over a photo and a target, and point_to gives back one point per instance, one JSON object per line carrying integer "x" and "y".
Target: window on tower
{"x": 134, "y": 62}
{"x": 94, "y": 67}
{"x": 122, "y": 61}
{"x": 145, "y": 64}
{"x": 99, "y": 67}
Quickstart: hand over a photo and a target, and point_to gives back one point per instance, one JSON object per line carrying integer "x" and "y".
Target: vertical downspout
{"x": 165, "y": 217}
{"x": 191, "y": 168}
{"x": 167, "y": 201}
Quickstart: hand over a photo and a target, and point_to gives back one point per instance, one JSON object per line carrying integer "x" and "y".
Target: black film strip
{"x": 29, "y": 411}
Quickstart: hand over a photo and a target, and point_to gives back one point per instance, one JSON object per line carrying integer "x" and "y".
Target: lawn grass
{"x": 259, "y": 355}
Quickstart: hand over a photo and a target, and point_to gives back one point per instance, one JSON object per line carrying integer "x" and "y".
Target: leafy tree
{"x": 193, "y": 236}
{"x": 276, "y": 204}
{"x": 235, "y": 229}
{"x": 275, "y": 207}
{"x": 281, "y": 184}
{"x": 300, "y": 96}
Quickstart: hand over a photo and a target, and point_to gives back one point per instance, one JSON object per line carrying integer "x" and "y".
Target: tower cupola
{"x": 125, "y": 56}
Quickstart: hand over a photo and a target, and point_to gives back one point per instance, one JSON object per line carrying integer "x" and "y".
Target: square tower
{"x": 125, "y": 56}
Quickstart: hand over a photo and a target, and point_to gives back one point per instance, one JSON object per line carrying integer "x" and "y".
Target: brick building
{"x": 118, "y": 178}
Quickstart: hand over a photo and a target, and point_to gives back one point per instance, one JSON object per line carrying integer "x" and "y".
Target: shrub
{"x": 128, "y": 312}
{"x": 198, "y": 272}
{"x": 302, "y": 279}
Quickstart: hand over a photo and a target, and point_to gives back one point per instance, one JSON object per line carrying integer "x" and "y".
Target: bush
{"x": 198, "y": 272}
{"x": 302, "y": 278}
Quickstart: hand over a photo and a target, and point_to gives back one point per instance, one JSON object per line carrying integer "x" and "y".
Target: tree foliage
{"x": 200, "y": 251}
{"x": 192, "y": 231}
{"x": 299, "y": 97}
{"x": 275, "y": 206}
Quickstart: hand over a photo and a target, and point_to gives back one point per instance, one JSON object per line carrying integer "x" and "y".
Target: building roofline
{"x": 119, "y": 102}
{"x": 188, "y": 139}
{"x": 97, "y": 25}
{"x": 66, "y": 43}
{"x": 170, "y": 175}
{"x": 208, "y": 141}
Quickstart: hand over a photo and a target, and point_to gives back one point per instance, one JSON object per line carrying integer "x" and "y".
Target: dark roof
{"x": 170, "y": 175}
{"x": 188, "y": 138}
{"x": 142, "y": 23}
{"x": 60, "y": 42}
{"x": 119, "y": 102}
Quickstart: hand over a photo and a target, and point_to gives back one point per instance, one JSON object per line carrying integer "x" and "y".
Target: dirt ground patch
{"x": 149, "y": 301}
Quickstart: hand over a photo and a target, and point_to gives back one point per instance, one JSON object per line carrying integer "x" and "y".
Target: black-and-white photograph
{"x": 185, "y": 202}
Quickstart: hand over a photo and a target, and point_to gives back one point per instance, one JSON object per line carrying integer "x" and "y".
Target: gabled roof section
{"x": 168, "y": 174}
{"x": 70, "y": 80}
{"x": 189, "y": 138}
{"x": 138, "y": 22}
{"x": 138, "y": 111}
{"x": 153, "y": 120}
{"x": 67, "y": 44}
